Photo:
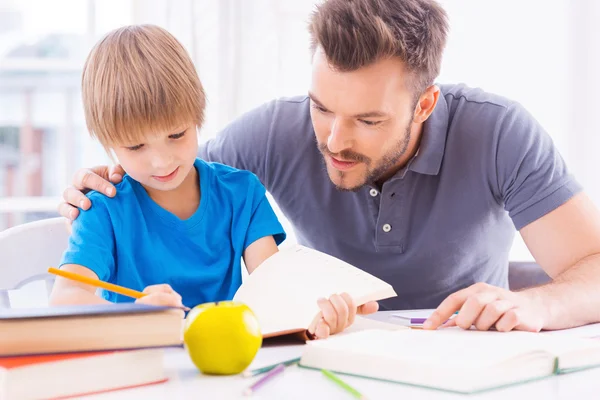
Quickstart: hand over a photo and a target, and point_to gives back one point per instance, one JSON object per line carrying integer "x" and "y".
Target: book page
{"x": 451, "y": 347}
{"x": 283, "y": 291}
{"x": 366, "y": 323}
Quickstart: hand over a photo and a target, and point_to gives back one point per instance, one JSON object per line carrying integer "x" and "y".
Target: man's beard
{"x": 382, "y": 167}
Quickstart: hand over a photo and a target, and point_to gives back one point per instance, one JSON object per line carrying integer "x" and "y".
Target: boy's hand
{"x": 86, "y": 179}
{"x": 337, "y": 314}
{"x": 161, "y": 295}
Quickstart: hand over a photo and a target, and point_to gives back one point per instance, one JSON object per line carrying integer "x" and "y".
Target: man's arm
{"x": 243, "y": 143}
{"x": 566, "y": 244}
{"x": 100, "y": 179}
{"x": 560, "y": 226}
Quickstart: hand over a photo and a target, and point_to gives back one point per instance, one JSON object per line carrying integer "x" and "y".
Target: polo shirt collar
{"x": 428, "y": 161}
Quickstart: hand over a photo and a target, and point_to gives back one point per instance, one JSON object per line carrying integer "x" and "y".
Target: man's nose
{"x": 339, "y": 137}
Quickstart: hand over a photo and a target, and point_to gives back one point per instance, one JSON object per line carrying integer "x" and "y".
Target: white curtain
{"x": 546, "y": 55}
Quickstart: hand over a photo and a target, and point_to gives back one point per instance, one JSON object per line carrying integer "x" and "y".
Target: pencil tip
{"x": 248, "y": 392}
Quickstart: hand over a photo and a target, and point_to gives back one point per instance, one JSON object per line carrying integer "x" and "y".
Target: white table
{"x": 298, "y": 383}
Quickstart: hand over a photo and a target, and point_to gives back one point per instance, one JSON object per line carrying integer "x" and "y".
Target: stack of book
{"x": 76, "y": 350}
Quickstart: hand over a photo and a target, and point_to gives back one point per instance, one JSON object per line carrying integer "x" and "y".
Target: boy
{"x": 143, "y": 101}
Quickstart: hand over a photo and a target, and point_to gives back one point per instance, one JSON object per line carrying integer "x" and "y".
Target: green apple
{"x": 222, "y": 338}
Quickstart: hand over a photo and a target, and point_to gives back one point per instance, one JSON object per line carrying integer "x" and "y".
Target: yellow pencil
{"x": 101, "y": 284}
{"x": 97, "y": 283}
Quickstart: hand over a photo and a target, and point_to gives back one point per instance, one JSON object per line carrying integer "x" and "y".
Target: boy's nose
{"x": 161, "y": 162}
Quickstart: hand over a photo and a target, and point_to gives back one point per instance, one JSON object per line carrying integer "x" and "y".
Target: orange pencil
{"x": 97, "y": 283}
{"x": 101, "y": 284}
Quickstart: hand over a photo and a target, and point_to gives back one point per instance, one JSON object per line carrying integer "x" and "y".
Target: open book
{"x": 283, "y": 291}
{"x": 452, "y": 359}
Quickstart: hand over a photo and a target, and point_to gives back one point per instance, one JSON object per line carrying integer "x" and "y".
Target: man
{"x": 418, "y": 184}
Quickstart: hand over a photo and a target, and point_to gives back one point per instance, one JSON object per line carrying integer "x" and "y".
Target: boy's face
{"x": 162, "y": 161}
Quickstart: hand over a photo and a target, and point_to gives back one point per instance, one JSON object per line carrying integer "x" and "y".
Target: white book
{"x": 452, "y": 359}
{"x": 283, "y": 291}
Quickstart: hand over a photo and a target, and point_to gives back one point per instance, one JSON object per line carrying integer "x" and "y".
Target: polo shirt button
{"x": 386, "y": 228}
{"x": 373, "y": 192}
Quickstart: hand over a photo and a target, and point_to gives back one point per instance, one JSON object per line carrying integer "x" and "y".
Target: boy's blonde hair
{"x": 139, "y": 80}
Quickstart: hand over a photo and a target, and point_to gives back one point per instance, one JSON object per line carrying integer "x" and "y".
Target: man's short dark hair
{"x": 357, "y": 33}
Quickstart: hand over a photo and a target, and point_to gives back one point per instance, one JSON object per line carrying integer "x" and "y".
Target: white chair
{"x": 26, "y": 252}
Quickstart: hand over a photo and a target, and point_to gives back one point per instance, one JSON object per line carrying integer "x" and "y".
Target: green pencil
{"x": 254, "y": 372}
{"x": 334, "y": 378}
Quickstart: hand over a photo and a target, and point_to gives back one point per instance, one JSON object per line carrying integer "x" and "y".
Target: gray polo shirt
{"x": 446, "y": 221}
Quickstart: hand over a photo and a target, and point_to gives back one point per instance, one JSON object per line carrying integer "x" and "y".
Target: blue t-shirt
{"x": 131, "y": 241}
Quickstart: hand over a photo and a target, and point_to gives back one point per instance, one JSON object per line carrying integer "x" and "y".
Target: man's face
{"x": 162, "y": 161}
{"x": 362, "y": 120}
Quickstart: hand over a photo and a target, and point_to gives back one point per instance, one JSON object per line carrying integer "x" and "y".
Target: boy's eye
{"x": 134, "y": 148}
{"x": 177, "y": 135}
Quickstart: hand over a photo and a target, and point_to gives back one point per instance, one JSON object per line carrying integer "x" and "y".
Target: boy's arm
{"x": 66, "y": 291}
{"x": 259, "y": 251}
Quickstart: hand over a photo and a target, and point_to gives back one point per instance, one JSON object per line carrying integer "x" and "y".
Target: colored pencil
{"x": 419, "y": 321}
{"x": 258, "y": 371}
{"x": 266, "y": 378}
{"x": 335, "y": 379}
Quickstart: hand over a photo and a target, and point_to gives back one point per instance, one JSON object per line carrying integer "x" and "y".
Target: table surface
{"x": 185, "y": 382}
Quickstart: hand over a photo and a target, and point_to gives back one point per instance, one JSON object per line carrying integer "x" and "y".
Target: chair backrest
{"x": 26, "y": 252}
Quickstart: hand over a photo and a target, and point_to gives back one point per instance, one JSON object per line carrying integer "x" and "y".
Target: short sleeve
{"x": 263, "y": 221}
{"x": 92, "y": 242}
{"x": 244, "y": 143}
{"x": 532, "y": 178}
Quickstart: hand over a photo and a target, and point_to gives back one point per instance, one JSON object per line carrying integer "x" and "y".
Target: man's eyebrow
{"x": 315, "y": 100}
{"x": 370, "y": 114}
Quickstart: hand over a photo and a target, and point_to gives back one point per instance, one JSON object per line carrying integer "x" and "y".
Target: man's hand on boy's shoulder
{"x": 86, "y": 179}
{"x": 161, "y": 295}
{"x": 338, "y": 313}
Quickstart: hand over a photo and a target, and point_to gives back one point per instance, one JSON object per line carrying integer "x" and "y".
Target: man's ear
{"x": 426, "y": 104}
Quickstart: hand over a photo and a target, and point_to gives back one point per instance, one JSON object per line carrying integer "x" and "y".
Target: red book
{"x": 54, "y": 376}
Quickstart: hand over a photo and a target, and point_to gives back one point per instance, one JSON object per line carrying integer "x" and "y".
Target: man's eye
{"x": 370, "y": 123}
{"x": 177, "y": 135}
{"x": 136, "y": 147}
{"x": 319, "y": 108}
